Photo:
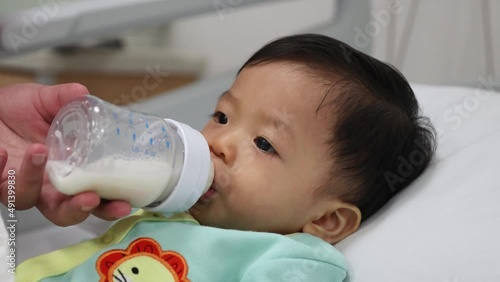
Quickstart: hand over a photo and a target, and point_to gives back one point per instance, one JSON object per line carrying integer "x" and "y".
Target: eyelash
{"x": 216, "y": 117}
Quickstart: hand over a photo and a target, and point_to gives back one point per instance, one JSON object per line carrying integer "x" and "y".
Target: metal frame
{"x": 65, "y": 23}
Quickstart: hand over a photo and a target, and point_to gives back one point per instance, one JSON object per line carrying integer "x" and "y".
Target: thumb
{"x": 52, "y": 98}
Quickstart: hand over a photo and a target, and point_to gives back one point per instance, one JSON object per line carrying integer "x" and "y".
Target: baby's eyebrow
{"x": 222, "y": 96}
{"x": 280, "y": 122}
{"x": 228, "y": 94}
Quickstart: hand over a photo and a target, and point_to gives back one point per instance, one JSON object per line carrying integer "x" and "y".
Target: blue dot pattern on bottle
{"x": 168, "y": 145}
{"x": 117, "y": 131}
{"x": 150, "y": 141}
{"x": 133, "y": 136}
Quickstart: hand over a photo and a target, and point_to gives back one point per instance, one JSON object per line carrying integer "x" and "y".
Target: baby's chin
{"x": 204, "y": 205}
{"x": 208, "y": 214}
{"x": 202, "y": 217}
{"x": 201, "y": 211}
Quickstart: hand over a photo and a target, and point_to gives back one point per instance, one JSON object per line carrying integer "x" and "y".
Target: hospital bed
{"x": 444, "y": 227}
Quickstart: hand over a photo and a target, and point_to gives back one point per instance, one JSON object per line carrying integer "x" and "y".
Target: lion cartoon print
{"x": 143, "y": 261}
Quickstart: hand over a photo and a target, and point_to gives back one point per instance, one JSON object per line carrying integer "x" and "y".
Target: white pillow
{"x": 445, "y": 227}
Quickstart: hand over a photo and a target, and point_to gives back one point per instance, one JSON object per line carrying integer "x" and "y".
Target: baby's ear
{"x": 339, "y": 220}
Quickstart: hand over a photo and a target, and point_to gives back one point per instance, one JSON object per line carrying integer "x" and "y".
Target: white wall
{"x": 230, "y": 34}
{"x": 446, "y": 45}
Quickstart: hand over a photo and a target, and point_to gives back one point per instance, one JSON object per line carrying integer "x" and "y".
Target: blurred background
{"x": 448, "y": 42}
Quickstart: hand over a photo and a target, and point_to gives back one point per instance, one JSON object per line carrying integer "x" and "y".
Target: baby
{"x": 312, "y": 138}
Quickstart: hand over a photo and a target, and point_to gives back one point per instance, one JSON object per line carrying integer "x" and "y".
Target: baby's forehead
{"x": 284, "y": 89}
{"x": 291, "y": 82}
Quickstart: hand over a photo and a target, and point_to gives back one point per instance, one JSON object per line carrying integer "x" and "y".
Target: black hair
{"x": 380, "y": 142}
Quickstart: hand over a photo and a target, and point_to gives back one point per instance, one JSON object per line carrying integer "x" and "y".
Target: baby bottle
{"x": 155, "y": 163}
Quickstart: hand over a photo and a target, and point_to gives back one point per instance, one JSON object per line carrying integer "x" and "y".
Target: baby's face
{"x": 268, "y": 145}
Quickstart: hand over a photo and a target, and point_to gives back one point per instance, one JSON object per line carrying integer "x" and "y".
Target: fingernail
{"x": 38, "y": 159}
{"x": 86, "y": 208}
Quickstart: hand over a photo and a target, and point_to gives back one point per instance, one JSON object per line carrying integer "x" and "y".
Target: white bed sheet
{"x": 444, "y": 227}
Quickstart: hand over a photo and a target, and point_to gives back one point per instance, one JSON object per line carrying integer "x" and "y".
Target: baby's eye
{"x": 264, "y": 145}
{"x": 220, "y": 117}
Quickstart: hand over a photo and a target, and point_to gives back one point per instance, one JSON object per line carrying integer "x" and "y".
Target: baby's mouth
{"x": 208, "y": 195}
{"x": 203, "y": 201}
{"x": 210, "y": 192}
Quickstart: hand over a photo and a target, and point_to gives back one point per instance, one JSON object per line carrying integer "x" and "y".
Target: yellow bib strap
{"x": 61, "y": 261}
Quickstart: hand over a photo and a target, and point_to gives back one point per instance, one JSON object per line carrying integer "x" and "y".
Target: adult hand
{"x": 26, "y": 112}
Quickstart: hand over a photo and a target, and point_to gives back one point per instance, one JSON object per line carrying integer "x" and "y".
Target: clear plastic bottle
{"x": 155, "y": 163}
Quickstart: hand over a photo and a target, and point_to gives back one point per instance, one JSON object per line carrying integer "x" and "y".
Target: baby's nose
{"x": 224, "y": 147}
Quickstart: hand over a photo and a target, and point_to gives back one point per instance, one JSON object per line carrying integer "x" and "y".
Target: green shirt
{"x": 152, "y": 247}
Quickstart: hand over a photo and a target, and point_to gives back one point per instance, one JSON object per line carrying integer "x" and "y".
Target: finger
{"x": 30, "y": 176}
{"x": 4, "y": 191}
{"x": 78, "y": 208}
{"x": 69, "y": 211}
{"x": 52, "y": 98}
{"x": 112, "y": 210}
{"x": 3, "y": 159}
